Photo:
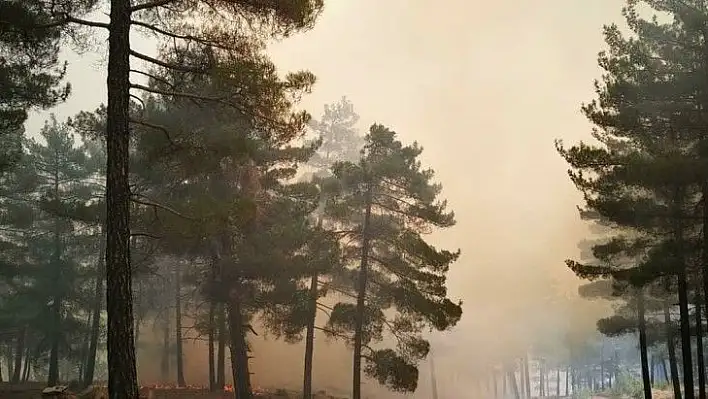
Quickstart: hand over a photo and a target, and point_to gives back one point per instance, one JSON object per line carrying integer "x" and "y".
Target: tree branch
{"x": 166, "y": 65}
{"x": 156, "y": 127}
{"x": 147, "y": 202}
{"x": 196, "y": 39}
{"x": 69, "y": 19}
{"x": 150, "y": 4}
{"x": 148, "y": 235}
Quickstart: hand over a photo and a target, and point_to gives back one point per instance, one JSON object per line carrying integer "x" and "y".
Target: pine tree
{"x": 52, "y": 217}
{"x": 217, "y": 179}
{"x": 648, "y": 168}
{"x": 233, "y": 26}
{"x": 338, "y": 140}
{"x": 386, "y": 203}
{"x": 30, "y": 72}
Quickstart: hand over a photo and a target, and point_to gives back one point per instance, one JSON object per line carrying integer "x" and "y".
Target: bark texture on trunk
{"x": 361, "y": 299}
{"x": 122, "y": 374}
{"x": 239, "y": 352}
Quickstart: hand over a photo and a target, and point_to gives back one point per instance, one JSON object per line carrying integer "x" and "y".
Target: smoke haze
{"x": 485, "y": 88}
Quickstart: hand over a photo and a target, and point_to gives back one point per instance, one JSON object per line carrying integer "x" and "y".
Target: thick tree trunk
{"x": 239, "y": 351}
{"x": 178, "y": 326}
{"x": 310, "y": 339}
{"x": 643, "y": 344}
{"x": 122, "y": 374}
{"x": 671, "y": 348}
{"x": 221, "y": 350}
{"x": 19, "y": 352}
{"x": 96, "y": 314}
{"x": 361, "y": 298}
{"x": 212, "y": 334}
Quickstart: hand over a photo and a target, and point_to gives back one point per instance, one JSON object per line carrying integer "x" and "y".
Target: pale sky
{"x": 485, "y": 88}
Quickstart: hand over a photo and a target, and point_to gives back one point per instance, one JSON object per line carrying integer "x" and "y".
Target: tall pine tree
{"x": 387, "y": 202}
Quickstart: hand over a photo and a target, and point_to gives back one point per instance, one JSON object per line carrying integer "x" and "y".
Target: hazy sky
{"x": 485, "y": 87}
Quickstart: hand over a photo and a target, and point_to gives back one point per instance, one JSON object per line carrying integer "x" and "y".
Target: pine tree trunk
{"x": 567, "y": 381}
{"x": 511, "y": 375}
{"x": 494, "y": 384}
{"x": 212, "y": 328}
{"x": 700, "y": 360}
{"x": 178, "y": 326}
{"x": 96, "y": 314}
{"x": 558, "y": 382}
{"x": 122, "y": 374}
{"x": 664, "y": 370}
{"x": 19, "y": 352}
{"x": 310, "y": 339}
{"x": 9, "y": 362}
{"x": 541, "y": 379}
{"x": 221, "y": 350}
{"x": 685, "y": 318}
{"x": 652, "y": 368}
{"x": 527, "y": 376}
{"x": 361, "y": 298}
{"x": 704, "y": 280}
{"x": 166, "y": 348}
{"x": 522, "y": 384}
{"x": 671, "y": 348}
{"x": 239, "y": 351}
{"x": 505, "y": 384}
{"x": 686, "y": 347}
{"x": 643, "y": 344}
{"x": 26, "y": 368}
{"x": 54, "y": 338}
